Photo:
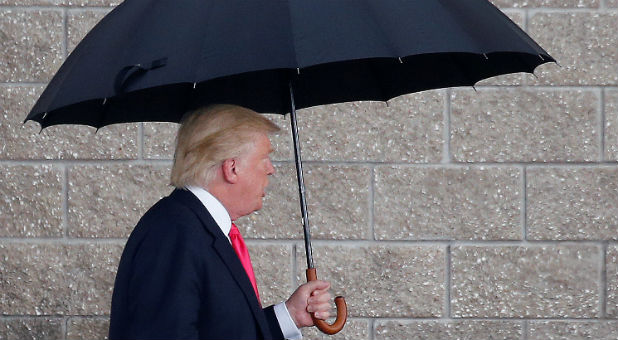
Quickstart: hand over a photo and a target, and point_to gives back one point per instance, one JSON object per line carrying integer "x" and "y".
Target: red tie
{"x": 243, "y": 254}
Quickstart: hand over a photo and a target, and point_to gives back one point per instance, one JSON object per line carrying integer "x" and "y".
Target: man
{"x": 184, "y": 273}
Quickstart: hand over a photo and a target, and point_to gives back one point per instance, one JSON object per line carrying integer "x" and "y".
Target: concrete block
{"x": 87, "y": 328}
{"x": 408, "y": 129}
{"x": 80, "y": 22}
{"x": 522, "y": 125}
{"x": 448, "y": 330}
{"x": 418, "y": 203}
{"x": 557, "y": 281}
{"x": 57, "y": 279}
{"x": 160, "y": 140}
{"x": 353, "y": 329}
{"x": 383, "y": 281}
{"x": 31, "y": 328}
{"x": 27, "y": 141}
{"x": 337, "y": 199}
{"x": 108, "y": 201}
{"x": 584, "y": 43}
{"x": 272, "y": 265}
{"x": 32, "y": 44}
{"x": 573, "y": 330}
{"x": 572, "y": 203}
{"x": 32, "y": 201}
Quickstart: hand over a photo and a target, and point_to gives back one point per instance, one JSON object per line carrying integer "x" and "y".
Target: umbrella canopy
{"x": 152, "y": 60}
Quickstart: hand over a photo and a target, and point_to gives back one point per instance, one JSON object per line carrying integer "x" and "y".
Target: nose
{"x": 270, "y": 168}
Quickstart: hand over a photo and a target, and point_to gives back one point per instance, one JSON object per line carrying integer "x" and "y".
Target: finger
{"x": 319, "y": 307}
{"x": 320, "y": 298}
{"x": 318, "y": 285}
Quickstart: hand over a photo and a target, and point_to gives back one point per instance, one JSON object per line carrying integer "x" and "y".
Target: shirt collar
{"x": 215, "y": 208}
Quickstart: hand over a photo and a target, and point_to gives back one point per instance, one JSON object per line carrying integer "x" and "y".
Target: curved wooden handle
{"x": 342, "y": 311}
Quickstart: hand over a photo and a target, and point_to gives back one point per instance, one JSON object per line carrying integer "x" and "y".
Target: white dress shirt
{"x": 222, "y": 217}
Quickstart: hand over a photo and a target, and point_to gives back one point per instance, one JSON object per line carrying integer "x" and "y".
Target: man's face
{"x": 253, "y": 170}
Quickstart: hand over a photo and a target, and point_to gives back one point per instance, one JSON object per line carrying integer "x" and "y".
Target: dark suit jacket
{"x": 179, "y": 278}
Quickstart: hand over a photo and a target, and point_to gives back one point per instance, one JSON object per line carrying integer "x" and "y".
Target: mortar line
{"x": 446, "y": 133}
{"x": 524, "y": 330}
{"x": 65, "y": 201}
{"x": 65, "y": 41}
{"x": 85, "y": 162}
{"x": 140, "y": 141}
{"x": 524, "y": 204}
{"x": 602, "y": 125}
{"x": 65, "y": 327}
{"x": 372, "y": 186}
{"x": 372, "y": 328}
{"x": 603, "y": 288}
{"x": 447, "y": 292}
{"x": 403, "y": 165}
{"x": 294, "y": 266}
{"x": 344, "y": 243}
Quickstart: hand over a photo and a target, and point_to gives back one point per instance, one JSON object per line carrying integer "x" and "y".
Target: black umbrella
{"x": 153, "y": 60}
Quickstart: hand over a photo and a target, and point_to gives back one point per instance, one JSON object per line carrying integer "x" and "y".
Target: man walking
{"x": 185, "y": 272}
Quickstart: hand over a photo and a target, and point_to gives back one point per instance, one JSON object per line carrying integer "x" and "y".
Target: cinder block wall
{"x": 448, "y": 214}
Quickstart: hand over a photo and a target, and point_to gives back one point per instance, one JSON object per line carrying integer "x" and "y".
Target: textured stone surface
{"x": 409, "y": 129}
{"x": 337, "y": 199}
{"x": 584, "y": 43}
{"x": 108, "y": 201}
{"x": 31, "y": 204}
{"x": 79, "y": 22}
{"x": 573, "y": 330}
{"x": 519, "y": 125}
{"x": 611, "y": 125}
{"x": 30, "y": 328}
{"x": 26, "y": 141}
{"x": 413, "y": 203}
{"x": 547, "y": 3}
{"x": 87, "y": 328}
{"x": 572, "y": 203}
{"x": 611, "y": 265}
{"x": 353, "y": 329}
{"x": 611, "y": 3}
{"x": 159, "y": 139}
{"x": 383, "y": 281}
{"x": 273, "y": 271}
{"x": 44, "y": 279}
{"x": 450, "y": 330}
{"x": 31, "y": 44}
{"x": 525, "y": 282}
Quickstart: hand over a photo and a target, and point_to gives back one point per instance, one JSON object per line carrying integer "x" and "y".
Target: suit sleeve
{"x": 273, "y": 323}
{"x": 164, "y": 288}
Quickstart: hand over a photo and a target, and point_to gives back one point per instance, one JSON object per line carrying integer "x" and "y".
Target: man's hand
{"x": 311, "y": 297}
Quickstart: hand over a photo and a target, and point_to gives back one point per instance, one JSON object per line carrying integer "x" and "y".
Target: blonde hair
{"x": 210, "y": 135}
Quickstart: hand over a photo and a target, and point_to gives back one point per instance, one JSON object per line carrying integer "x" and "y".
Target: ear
{"x": 229, "y": 170}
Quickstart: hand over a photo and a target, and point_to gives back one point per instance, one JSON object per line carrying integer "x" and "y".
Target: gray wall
{"x": 448, "y": 214}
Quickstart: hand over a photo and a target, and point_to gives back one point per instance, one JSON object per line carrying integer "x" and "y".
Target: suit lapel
{"x": 226, "y": 253}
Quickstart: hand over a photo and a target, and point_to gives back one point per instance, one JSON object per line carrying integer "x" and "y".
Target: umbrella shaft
{"x": 301, "y": 182}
